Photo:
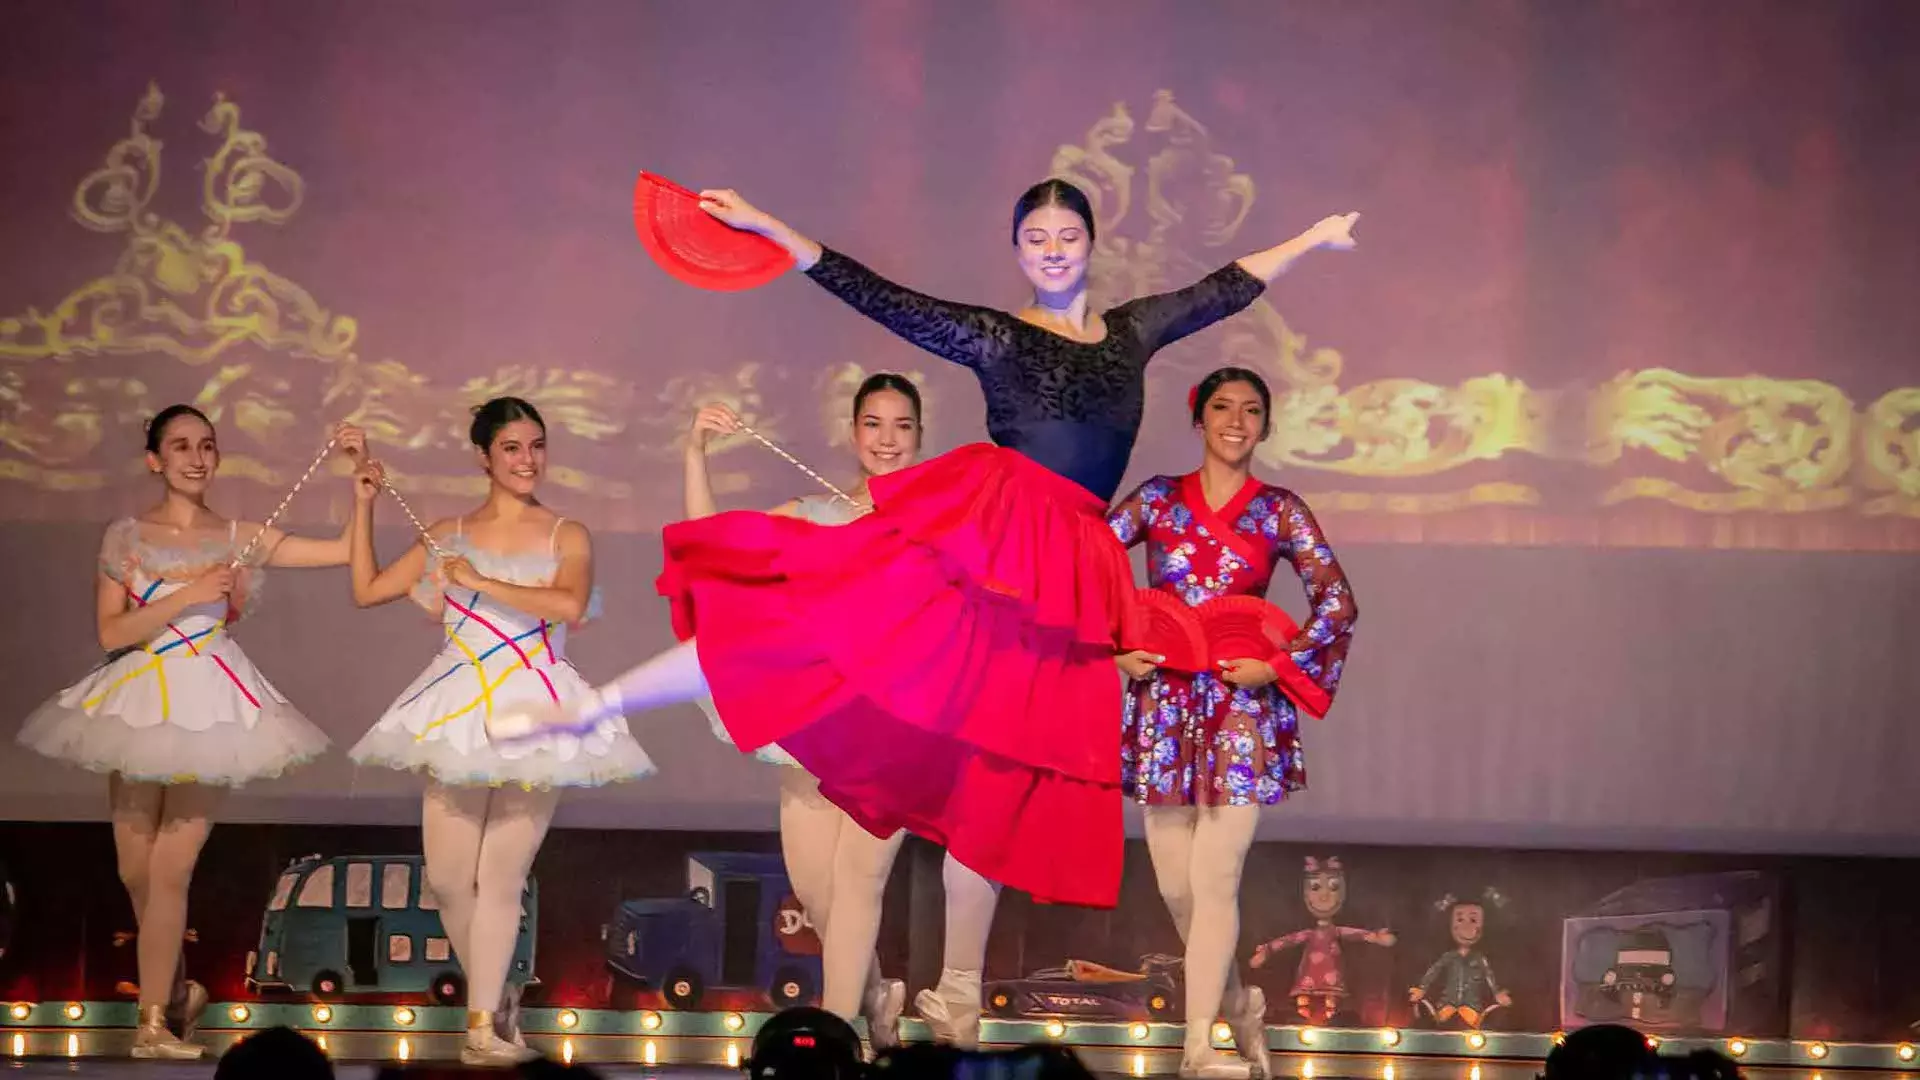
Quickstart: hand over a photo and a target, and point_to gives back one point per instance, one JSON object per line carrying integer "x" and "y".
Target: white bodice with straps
{"x": 493, "y": 656}
{"x": 187, "y": 705}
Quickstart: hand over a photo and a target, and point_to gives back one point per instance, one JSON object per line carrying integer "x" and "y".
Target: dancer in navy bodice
{"x": 945, "y": 663}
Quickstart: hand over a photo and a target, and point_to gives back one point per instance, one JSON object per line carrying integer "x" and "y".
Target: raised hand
{"x": 712, "y": 420}
{"x": 368, "y": 479}
{"x": 1336, "y": 232}
{"x": 350, "y": 440}
{"x": 729, "y": 208}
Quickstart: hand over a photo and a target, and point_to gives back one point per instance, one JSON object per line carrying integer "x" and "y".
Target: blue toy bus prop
{"x": 366, "y": 924}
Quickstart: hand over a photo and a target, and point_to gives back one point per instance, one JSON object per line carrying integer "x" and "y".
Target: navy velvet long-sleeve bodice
{"x": 1072, "y": 406}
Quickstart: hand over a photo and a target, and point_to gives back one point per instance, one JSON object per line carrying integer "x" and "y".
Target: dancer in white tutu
{"x": 177, "y": 713}
{"x": 512, "y": 575}
{"x": 839, "y": 870}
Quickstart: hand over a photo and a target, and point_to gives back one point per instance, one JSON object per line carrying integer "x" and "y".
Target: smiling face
{"x": 1325, "y": 893}
{"x": 886, "y": 433}
{"x": 1053, "y": 246}
{"x": 188, "y": 457}
{"x": 1469, "y": 922}
{"x": 1233, "y": 421}
{"x": 517, "y": 457}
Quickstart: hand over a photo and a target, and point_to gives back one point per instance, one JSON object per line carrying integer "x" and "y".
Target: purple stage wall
{"x": 1612, "y": 415}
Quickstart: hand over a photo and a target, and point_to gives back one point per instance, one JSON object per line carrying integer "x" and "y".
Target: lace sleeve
{"x": 967, "y": 335}
{"x": 119, "y": 550}
{"x": 1165, "y": 318}
{"x": 1320, "y": 649}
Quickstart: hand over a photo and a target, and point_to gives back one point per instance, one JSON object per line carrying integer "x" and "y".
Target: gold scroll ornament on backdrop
{"x": 1745, "y": 444}
{"x": 264, "y": 358}
{"x": 268, "y": 359}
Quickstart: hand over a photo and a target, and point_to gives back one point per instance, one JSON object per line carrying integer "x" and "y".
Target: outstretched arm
{"x": 284, "y": 550}
{"x": 1333, "y": 233}
{"x": 962, "y": 333}
{"x": 1164, "y": 318}
{"x": 727, "y": 205}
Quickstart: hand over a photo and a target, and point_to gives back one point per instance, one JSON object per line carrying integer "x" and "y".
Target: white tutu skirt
{"x": 770, "y": 753}
{"x": 438, "y": 726}
{"x": 207, "y": 718}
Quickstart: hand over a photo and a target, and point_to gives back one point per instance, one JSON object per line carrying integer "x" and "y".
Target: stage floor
{"x": 1288, "y": 1067}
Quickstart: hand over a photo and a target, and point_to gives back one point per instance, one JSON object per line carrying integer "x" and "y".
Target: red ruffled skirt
{"x": 943, "y": 664}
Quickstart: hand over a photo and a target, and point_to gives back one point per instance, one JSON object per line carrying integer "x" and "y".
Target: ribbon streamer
{"x": 426, "y": 537}
{"x": 247, "y": 551}
{"x": 795, "y": 462}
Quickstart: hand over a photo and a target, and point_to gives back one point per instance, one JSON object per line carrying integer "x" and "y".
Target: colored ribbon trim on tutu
{"x": 480, "y": 676}
{"x": 156, "y": 665}
{"x": 244, "y": 692}
{"x": 497, "y": 632}
{"x": 476, "y": 661}
{"x": 484, "y": 697}
{"x": 160, "y": 657}
{"x": 462, "y": 665}
{"x": 140, "y": 600}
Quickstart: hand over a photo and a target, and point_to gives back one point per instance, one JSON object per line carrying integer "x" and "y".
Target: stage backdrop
{"x": 1717, "y": 945}
{"x": 1614, "y": 416}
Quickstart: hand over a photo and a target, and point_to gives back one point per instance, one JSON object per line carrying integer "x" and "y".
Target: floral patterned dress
{"x": 1196, "y": 740}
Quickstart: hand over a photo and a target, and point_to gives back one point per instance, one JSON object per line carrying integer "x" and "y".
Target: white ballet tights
{"x": 839, "y": 873}
{"x": 480, "y": 843}
{"x": 158, "y": 831}
{"x": 669, "y": 678}
{"x": 970, "y": 903}
{"x": 1198, "y": 855}
{"x": 827, "y": 855}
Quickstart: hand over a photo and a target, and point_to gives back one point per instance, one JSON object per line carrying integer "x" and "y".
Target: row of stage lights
{"x": 568, "y": 1019}
{"x": 403, "y": 1049}
{"x": 403, "y": 1016}
{"x": 21, "y": 1011}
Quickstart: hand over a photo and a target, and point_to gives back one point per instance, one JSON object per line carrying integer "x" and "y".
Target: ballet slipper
{"x": 153, "y": 1041}
{"x": 484, "y": 1048}
{"x": 1211, "y": 1064}
{"x": 1247, "y": 1015}
{"x": 952, "y": 1009}
{"x": 885, "y": 1001}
